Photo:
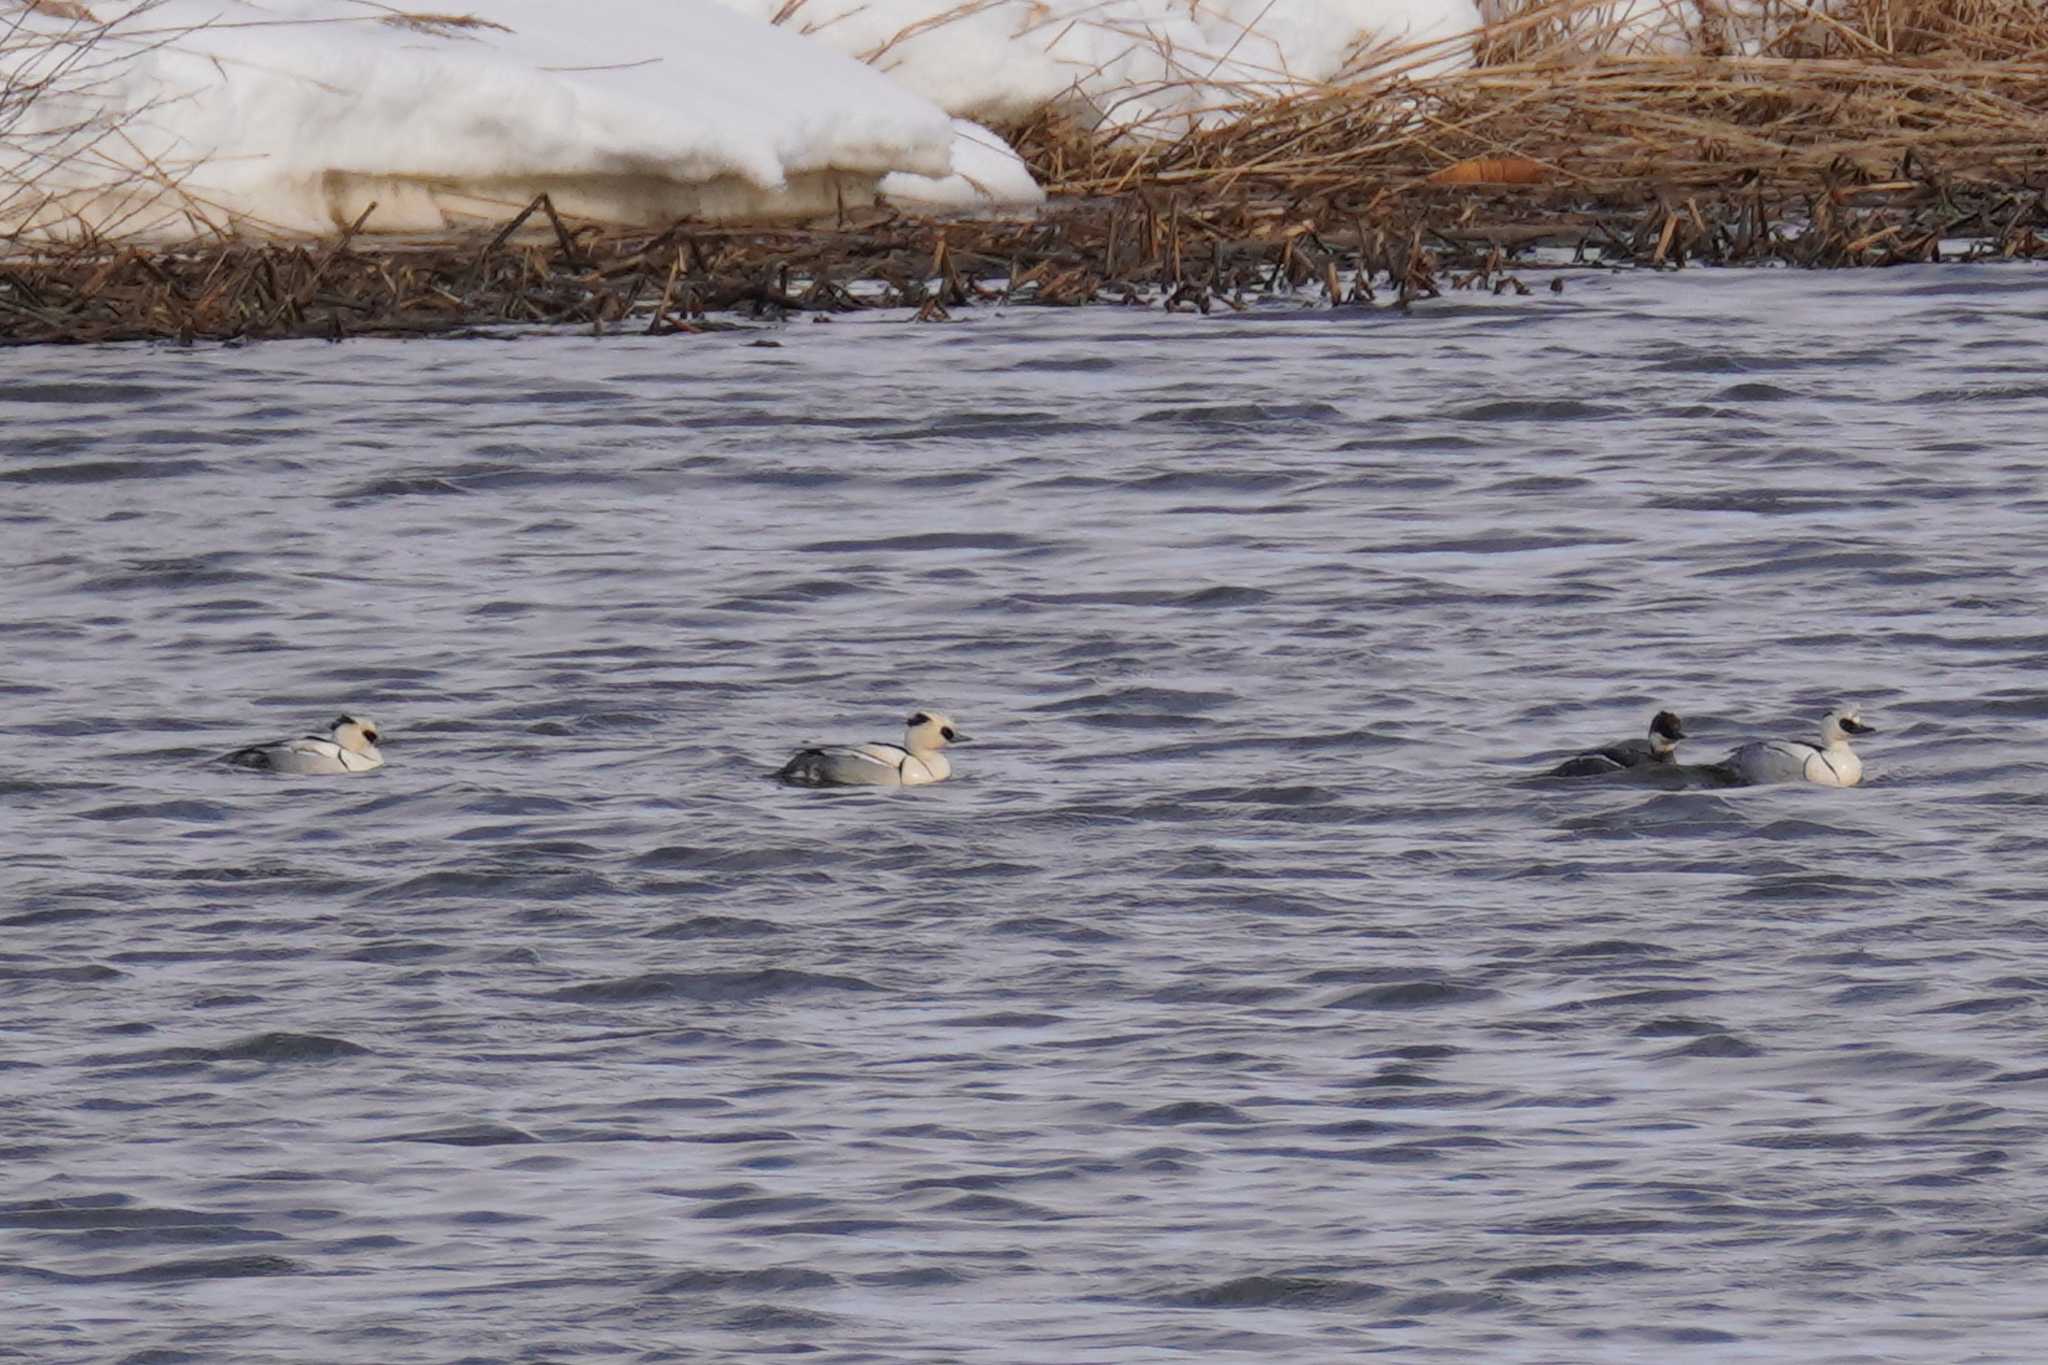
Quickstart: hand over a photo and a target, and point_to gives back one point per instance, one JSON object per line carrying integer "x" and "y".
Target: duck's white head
{"x": 929, "y": 731}
{"x": 1843, "y": 722}
{"x": 357, "y": 734}
{"x": 1665, "y": 731}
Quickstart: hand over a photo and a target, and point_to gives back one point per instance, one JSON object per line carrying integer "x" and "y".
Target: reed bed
{"x": 1820, "y": 95}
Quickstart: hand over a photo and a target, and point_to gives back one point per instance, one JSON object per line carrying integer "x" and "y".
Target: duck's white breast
{"x": 919, "y": 769}
{"x": 1835, "y": 767}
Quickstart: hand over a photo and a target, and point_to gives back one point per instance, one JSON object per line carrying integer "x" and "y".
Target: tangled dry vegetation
{"x": 1851, "y": 132}
{"x": 1826, "y": 93}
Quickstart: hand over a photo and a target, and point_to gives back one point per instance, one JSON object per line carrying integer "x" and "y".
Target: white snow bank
{"x": 1153, "y": 66}
{"x": 985, "y": 171}
{"x": 297, "y": 115}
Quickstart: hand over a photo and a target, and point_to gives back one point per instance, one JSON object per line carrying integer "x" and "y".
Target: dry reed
{"x": 61, "y": 148}
{"x": 1868, "y": 90}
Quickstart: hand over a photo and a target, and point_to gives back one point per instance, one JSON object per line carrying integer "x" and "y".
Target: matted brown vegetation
{"x": 1142, "y": 248}
{"x": 1865, "y": 89}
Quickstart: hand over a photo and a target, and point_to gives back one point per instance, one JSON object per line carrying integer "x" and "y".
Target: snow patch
{"x": 1153, "y": 68}
{"x": 294, "y": 116}
{"x": 985, "y": 172}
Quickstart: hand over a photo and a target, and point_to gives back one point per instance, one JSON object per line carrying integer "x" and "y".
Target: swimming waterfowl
{"x": 349, "y": 746}
{"x": 1661, "y": 747}
{"x": 1830, "y": 763}
{"x": 914, "y": 762}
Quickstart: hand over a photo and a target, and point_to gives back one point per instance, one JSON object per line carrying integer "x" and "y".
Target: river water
{"x": 1240, "y": 999}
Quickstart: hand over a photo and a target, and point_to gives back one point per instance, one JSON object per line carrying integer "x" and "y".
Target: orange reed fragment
{"x": 1488, "y": 170}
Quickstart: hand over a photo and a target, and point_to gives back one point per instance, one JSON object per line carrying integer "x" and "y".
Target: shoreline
{"x": 1150, "y": 246}
{"x": 1849, "y": 135}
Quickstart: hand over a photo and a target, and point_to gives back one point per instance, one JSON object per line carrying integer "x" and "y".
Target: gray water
{"x": 1240, "y": 1000}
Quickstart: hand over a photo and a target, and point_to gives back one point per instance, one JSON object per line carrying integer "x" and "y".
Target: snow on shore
{"x": 168, "y": 117}
{"x": 985, "y": 172}
{"x": 294, "y": 116}
{"x": 1153, "y": 66}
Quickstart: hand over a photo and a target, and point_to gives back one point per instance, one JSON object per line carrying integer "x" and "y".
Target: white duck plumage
{"x": 1830, "y": 763}
{"x": 919, "y": 759}
{"x": 349, "y": 746}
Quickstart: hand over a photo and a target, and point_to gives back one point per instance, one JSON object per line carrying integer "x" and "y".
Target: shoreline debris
{"x": 1145, "y": 247}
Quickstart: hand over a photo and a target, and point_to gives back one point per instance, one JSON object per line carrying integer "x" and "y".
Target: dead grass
{"x": 440, "y": 25}
{"x": 1969, "y": 29}
{"x": 1862, "y": 90}
{"x": 60, "y": 150}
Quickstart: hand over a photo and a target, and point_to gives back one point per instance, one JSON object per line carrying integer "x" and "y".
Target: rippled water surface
{"x": 1241, "y": 999}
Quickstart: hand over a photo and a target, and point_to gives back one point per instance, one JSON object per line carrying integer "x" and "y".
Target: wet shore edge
{"x": 1151, "y": 245}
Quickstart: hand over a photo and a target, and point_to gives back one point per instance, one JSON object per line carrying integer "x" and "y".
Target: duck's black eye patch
{"x": 370, "y": 735}
{"x": 946, "y": 730}
{"x": 919, "y": 719}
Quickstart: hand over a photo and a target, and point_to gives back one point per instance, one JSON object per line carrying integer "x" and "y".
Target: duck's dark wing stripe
{"x": 1586, "y": 765}
{"x": 878, "y": 744}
